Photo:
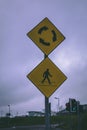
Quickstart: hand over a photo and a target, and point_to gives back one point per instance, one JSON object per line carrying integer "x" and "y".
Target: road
{"x": 29, "y": 128}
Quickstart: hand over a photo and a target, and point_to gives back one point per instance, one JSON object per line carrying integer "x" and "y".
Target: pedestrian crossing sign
{"x": 47, "y": 77}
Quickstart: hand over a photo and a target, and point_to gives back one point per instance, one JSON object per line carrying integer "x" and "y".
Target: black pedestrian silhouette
{"x": 46, "y": 75}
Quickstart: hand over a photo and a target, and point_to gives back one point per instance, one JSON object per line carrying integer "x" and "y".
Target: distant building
{"x": 53, "y": 113}
{"x": 35, "y": 113}
{"x": 85, "y": 107}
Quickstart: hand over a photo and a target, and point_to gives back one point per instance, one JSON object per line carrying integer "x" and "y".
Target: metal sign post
{"x": 47, "y": 114}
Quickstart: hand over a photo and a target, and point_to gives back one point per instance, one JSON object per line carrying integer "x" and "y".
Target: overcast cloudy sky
{"x": 19, "y": 55}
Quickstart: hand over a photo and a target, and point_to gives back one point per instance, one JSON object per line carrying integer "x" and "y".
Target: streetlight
{"x": 58, "y": 104}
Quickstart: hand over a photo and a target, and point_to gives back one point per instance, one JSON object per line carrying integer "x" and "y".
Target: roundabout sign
{"x": 46, "y": 36}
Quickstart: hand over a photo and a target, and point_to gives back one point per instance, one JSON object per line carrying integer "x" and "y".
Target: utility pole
{"x": 58, "y": 105}
{"x": 9, "y": 110}
{"x": 78, "y": 114}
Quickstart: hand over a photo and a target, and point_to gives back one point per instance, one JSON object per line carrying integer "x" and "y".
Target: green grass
{"x": 65, "y": 121}
{"x": 72, "y": 121}
{"x": 21, "y": 121}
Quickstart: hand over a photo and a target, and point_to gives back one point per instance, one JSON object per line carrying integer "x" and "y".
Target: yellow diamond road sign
{"x": 47, "y": 77}
{"x": 46, "y": 36}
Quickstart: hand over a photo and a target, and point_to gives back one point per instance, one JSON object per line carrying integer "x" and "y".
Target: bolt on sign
{"x": 46, "y": 36}
{"x": 47, "y": 77}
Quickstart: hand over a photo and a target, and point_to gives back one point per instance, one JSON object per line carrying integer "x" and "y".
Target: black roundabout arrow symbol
{"x": 54, "y": 36}
{"x": 44, "y": 28}
{"x": 43, "y": 42}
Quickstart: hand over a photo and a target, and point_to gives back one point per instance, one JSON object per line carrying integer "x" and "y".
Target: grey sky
{"x": 19, "y": 55}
